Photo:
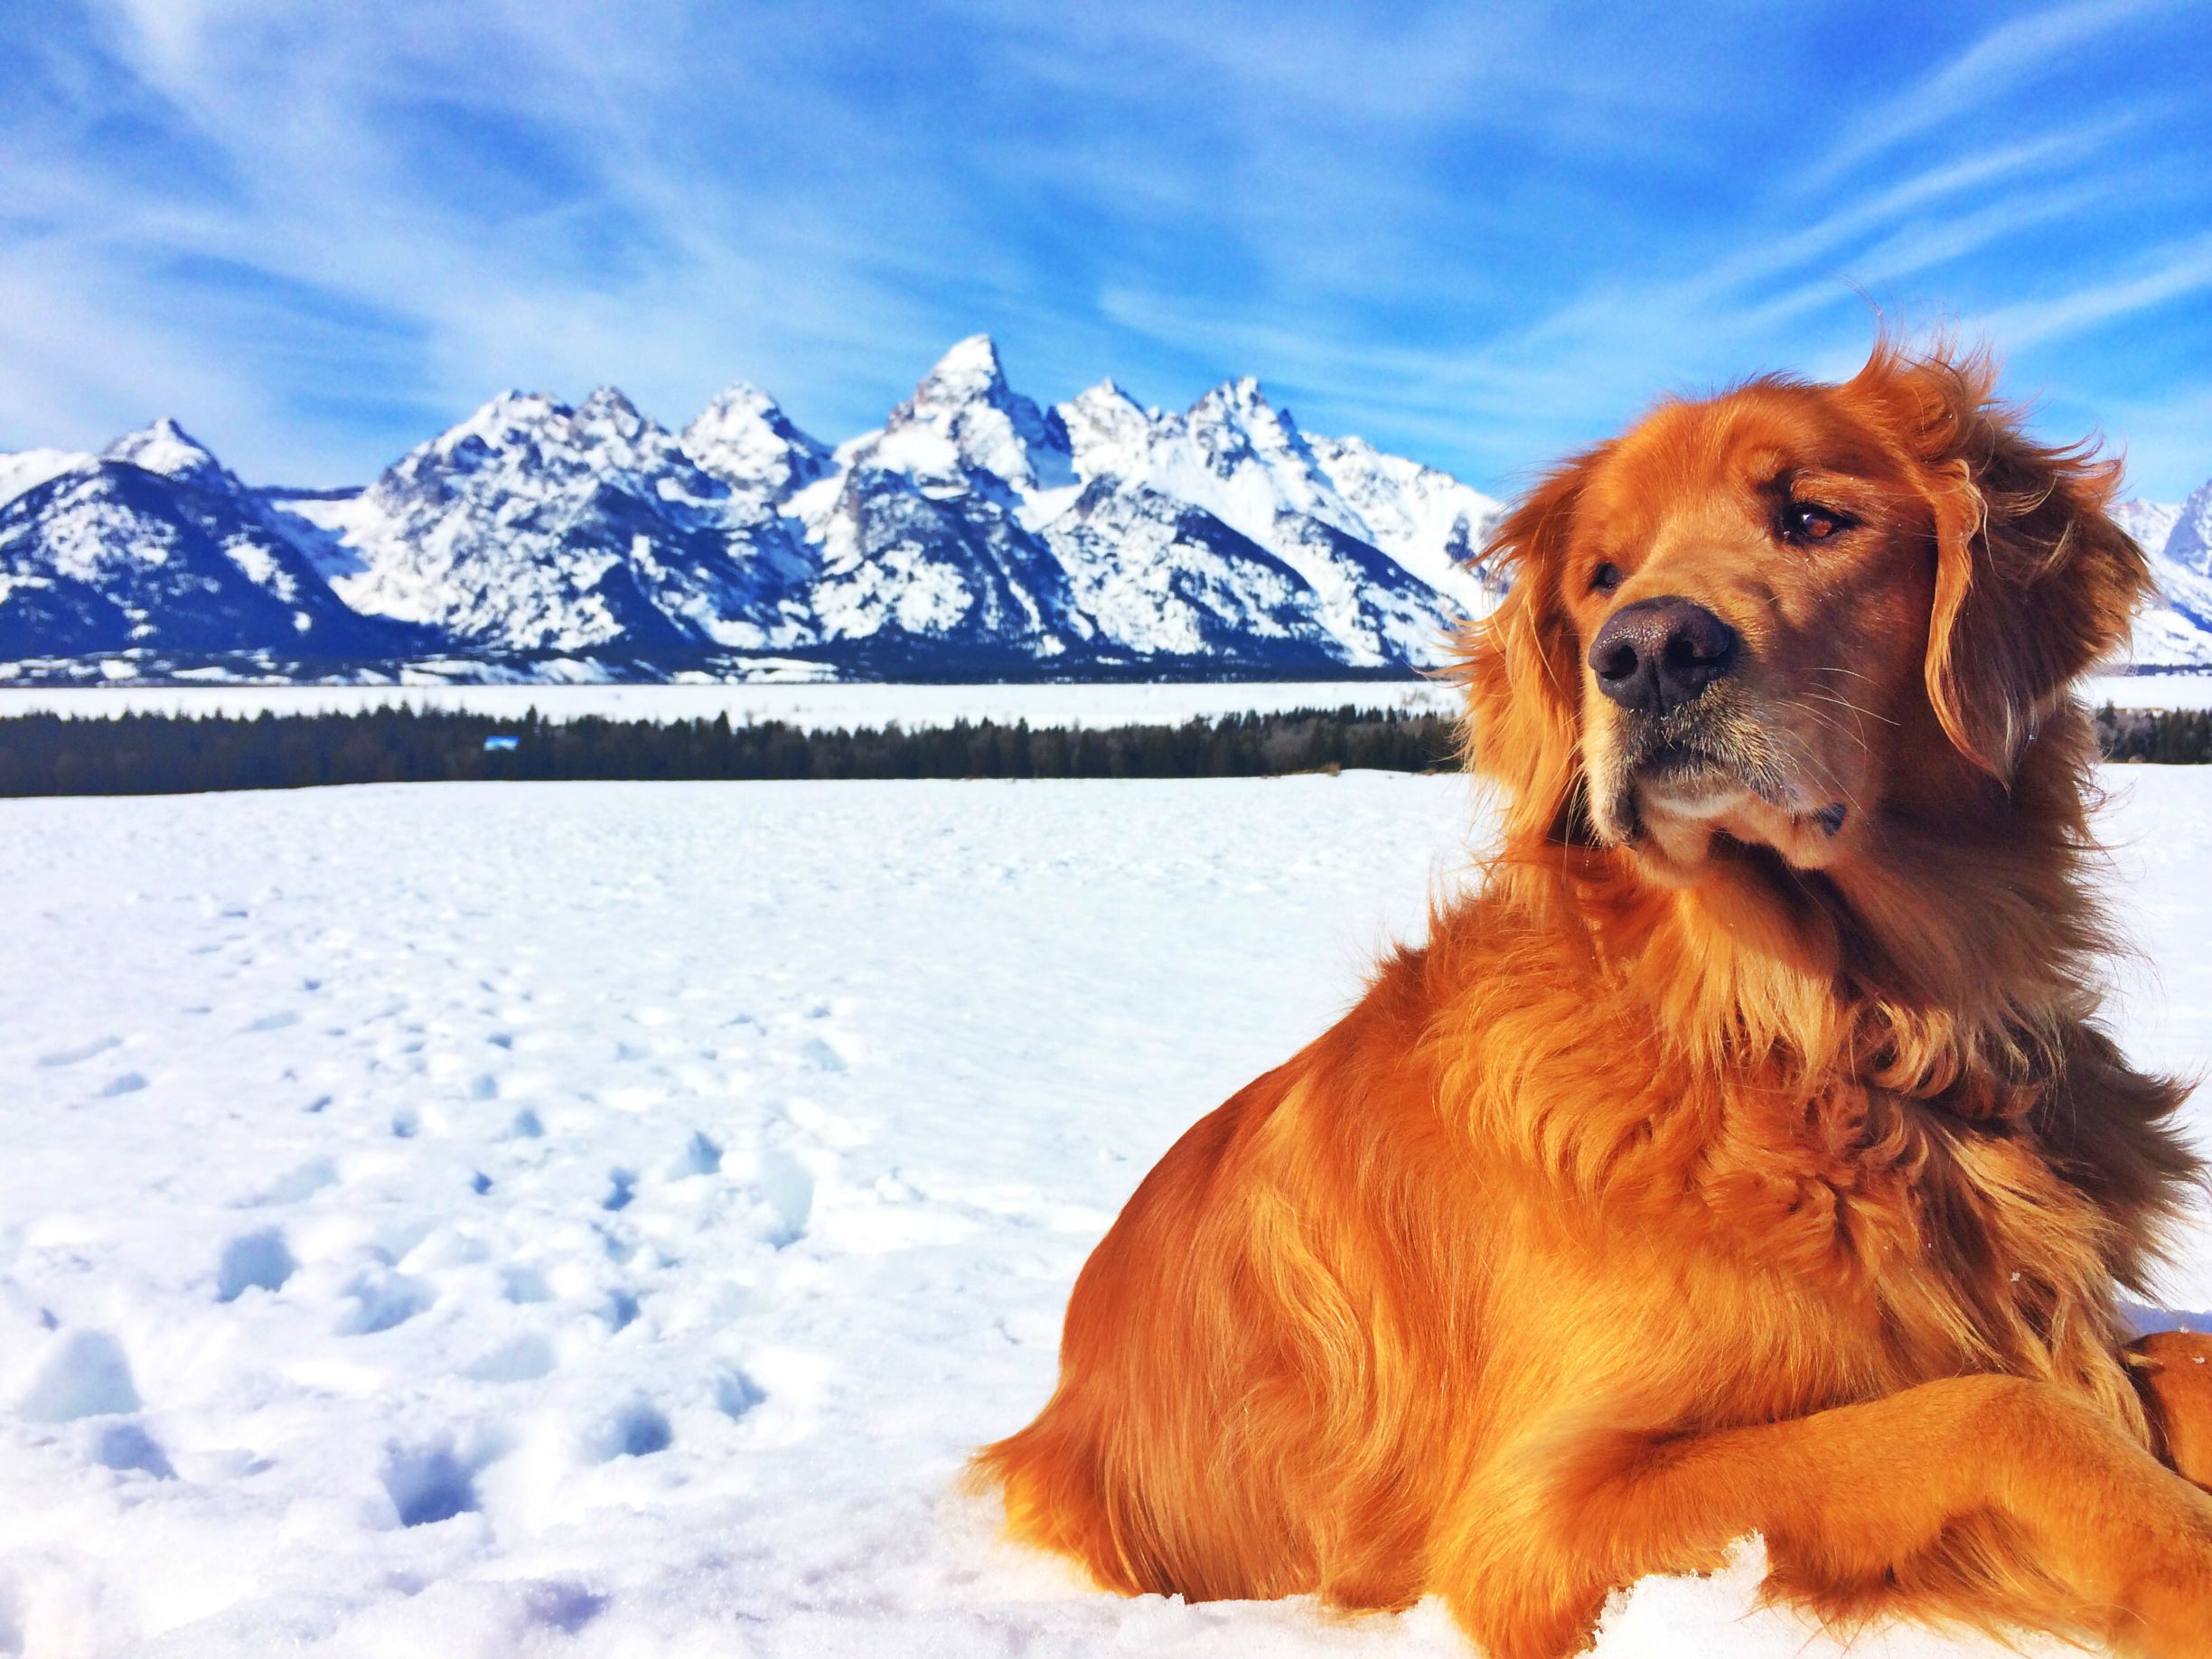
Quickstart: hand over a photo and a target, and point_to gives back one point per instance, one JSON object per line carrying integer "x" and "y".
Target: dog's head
{"x": 1762, "y": 619}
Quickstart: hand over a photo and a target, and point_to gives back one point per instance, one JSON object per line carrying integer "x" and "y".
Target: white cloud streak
{"x": 2010, "y": 55}
{"x": 2178, "y": 270}
{"x": 556, "y": 194}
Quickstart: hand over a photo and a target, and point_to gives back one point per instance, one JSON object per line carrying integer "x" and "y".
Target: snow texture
{"x": 832, "y": 706}
{"x": 599, "y": 1219}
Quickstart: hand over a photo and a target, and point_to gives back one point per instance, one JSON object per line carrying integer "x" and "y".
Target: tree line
{"x": 162, "y": 753}
{"x": 2163, "y": 736}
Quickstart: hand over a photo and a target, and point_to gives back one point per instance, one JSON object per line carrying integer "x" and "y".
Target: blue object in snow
{"x": 498, "y": 743}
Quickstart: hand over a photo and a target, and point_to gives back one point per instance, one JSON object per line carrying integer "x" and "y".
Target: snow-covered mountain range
{"x": 154, "y": 546}
{"x": 974, "y": 534}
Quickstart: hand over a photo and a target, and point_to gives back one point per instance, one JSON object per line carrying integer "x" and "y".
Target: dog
{"x": 1744, "y": 1155}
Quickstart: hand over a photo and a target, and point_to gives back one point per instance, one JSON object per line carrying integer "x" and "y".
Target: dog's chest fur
{"x": 1895, "y": 1243}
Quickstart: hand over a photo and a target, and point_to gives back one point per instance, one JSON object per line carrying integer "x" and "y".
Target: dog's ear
{"x": 1519, "y": 665}
{"x": 2034, "y": 581}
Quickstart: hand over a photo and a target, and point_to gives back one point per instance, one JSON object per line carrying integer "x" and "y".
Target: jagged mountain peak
{"x": 965, "y": 419}
{"x": 741, "y": 406}
{"x": 1242, "y": 391}
{"x": 2190, "y": 543}
{"x": 970, "y": 376}
{"x": 1109, "y": 398}
{"x": 163, "y": 446}
{"x": 2149, "y": 522}
{"x": 1108, "y": 431}
{"x": 530, "y": 434}
{"x": 971, "y": 368}
{"x": 1240, "y": 406}
{"x": 744, "y": 438}
{"x": 506, "y": 420}
{"x": 974, "y": 531}
{"x": 610, "y": 403}
{"x": 533, "y": 526}
{"x": 741, "y": 397}
{"x": 154, "y": 544}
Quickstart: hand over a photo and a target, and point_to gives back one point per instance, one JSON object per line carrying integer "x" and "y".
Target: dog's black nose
{"x": 1656, "y": 654}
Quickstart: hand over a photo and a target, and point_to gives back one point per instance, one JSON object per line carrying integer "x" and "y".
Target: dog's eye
{"x": 1806, "y": 521}
{"x": 1606, "y": 577}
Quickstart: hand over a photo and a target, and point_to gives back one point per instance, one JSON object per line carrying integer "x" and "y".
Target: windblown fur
{"x": 1756, "y": 1166}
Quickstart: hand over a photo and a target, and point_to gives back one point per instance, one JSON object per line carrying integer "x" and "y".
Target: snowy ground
{"x": 817, "y": 706}
{"x": 824, "y": 707}
{"x": 597, "y": 1219}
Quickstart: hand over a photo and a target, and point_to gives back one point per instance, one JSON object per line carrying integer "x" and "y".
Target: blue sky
{"x": 317, "y": 234}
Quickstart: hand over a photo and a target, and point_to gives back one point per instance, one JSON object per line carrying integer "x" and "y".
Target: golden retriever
{"x": 1744, "y": 1156}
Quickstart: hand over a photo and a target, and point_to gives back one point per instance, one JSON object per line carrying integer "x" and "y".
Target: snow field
{"x": 824, "y": 707}
{"x": 599, "y": 1219}
{"x": 818, "y": 707}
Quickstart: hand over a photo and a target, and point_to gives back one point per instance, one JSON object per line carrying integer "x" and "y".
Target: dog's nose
{"x": 1656, "y": 654}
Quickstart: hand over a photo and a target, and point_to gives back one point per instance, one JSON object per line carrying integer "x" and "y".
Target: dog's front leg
{"x": 1855, "y": 1504}
{"x": 2172, "y": 1371}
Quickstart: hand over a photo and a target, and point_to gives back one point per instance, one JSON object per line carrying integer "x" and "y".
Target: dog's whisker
{"x": 1844, "y": 702}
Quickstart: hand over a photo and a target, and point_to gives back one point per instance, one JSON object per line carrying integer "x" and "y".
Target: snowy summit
{"x": 976, "y": 534}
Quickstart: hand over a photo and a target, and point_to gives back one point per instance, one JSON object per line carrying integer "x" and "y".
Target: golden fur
{"x": 1744, "y": 1155}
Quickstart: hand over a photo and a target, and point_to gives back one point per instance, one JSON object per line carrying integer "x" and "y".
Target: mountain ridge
{"x": 975, "y": 533}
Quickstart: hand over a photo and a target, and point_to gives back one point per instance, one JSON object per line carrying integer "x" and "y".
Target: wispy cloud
{"x": 1477, "y": 233}
{"x": 2179, "y": 270}
{"x": 2012, "y": 55}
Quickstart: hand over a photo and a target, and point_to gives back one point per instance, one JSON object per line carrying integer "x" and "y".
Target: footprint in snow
{"x": 700, "y": 1157}
{"x": 81, "y": 1053}
{"x": 433, "y": 1482}
{"x": 561, "y": 1606}
{"x": 521, "y": 1359}
{"x": 297, "y": 1185}
{"x": 381, "y": 1299}
{"x": 620, "y": 1310}
{"x": 254, "y": 1261}
{"x": 823, "y": 1055}
{"x": 83, "y": 1374}
{"x": 786, "y": 1189}
{"x": 127, "y": 1449}
{"x": 737, "y": 1394}
{"x": 636, "y": 1428}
